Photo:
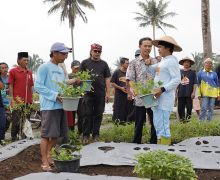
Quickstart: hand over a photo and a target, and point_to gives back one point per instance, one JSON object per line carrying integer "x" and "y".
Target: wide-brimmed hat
{"x": 188, "y": 59}
{"x": 170, "y": 40}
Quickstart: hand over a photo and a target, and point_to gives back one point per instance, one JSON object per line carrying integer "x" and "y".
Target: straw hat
{"x": 186, "y": 58}
{"x": 168, "y": 39}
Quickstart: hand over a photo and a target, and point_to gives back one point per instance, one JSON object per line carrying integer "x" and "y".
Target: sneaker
{"x": 2, "y": 142}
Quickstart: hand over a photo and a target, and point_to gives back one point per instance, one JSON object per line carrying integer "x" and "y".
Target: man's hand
{"x": 148, "y": 61}
{"x": 107, "y": 97}
{"x": 123, "y": 89}
{"x": 157, "y": 92}
{"x": 199, "y": 97}
{"x": 218, "y": 98}
{"x": 59, "y": 99}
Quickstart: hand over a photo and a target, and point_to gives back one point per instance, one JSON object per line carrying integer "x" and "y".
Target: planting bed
{"x": 29, "y": 161}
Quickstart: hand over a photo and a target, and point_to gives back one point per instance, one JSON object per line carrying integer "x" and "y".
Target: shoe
{"x": 2, "y": 142}
{"x": 85, "y": 140}
{"x": 96, "y": 138}
{"x": 164, "y": 141}
{"x": 46, "y": 168}
{"x": 13, "y": 139}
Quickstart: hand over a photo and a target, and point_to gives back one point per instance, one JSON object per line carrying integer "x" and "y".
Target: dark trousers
{"x": 131, "y": 111}
{"x": 184, "y": 103}
{"x": 93, "y": 108}
{"x": 15, "y": 124}
{"x": 140, "y": 118}
{"x": 120, "y": 108}
{"x": 2, "y": 123}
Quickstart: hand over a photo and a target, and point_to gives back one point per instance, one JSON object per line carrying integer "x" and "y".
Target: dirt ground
{"x": 29, "y": 161}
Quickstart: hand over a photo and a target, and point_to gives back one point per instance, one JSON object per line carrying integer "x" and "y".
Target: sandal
{"x": 51, "y": 164}
{"x": 46, "y": 168}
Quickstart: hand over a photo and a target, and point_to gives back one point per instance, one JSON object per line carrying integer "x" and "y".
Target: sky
{"x": 26, "y": 26}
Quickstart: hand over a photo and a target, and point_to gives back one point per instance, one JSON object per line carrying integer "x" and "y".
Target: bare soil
{"x": 29, "y": 161}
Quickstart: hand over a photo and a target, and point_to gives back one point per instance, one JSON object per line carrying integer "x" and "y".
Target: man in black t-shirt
{"x": 118, "y": 81}
{"x": 186, "y": 89}
{"x": 93, "y": 102}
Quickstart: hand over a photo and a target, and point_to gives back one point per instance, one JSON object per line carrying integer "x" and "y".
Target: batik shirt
{"x": 137, "y": 72}
{"x": 208, "y": 84}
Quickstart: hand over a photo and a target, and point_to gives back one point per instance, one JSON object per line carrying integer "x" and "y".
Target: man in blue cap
{"x": 54, "y": 124}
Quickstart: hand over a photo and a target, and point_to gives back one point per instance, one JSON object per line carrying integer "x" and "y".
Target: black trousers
{"x": 15, "y": 124}
{"x": 120, "y": 108}
{"x": 140, "y": 118}
{"x": 93, "y": 108}
{"x": 80, "y": 117}
{"x": 184, "y": 103}
{"x": 131, "y": 111}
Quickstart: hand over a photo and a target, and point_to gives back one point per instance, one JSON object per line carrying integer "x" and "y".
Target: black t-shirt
{"x": 118, "y": 78}
{"x": 188, "y": 79}
{"x": 1, "y": 101}
{"x": 101, "y": 70}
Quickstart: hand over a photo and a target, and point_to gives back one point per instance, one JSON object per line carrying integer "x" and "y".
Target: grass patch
{"x": 179, "y": 131}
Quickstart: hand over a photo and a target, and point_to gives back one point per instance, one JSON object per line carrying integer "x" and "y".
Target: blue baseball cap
{"x": 60, "y": 47}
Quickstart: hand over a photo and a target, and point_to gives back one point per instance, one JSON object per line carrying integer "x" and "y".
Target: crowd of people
{"x": 183, "y": 85}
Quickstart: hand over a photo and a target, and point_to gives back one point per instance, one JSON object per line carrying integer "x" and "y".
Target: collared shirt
{"x": 208, "y": 84}
{"x": 168, "y": 72}
{"x": 137, "y": 72}
{"x": 22, "y": 82}
{"x": 46, "y": 84}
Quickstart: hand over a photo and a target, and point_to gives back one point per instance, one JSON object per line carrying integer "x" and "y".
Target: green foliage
{"x": 179, "y": 131}
{"x": 19, "y": 105}
{"x": 74, "y": 140}
{"x": 84, "y": 75}
{"x": 194, "y": 128}
{"x": 64, "y": 154}
{"x": 34, "y": 62}
{"x": 145, "y": 88}
{"x": 162, "y": 165}
{"x": 72, "y": 91}
{"x": 122, "y": 133}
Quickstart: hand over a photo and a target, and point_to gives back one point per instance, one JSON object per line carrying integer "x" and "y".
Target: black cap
{"x": 22, "y": 55}
{"x": 75, "y": 63}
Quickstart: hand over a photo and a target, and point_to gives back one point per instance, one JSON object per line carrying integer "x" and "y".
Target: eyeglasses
{"x": 97, "y": 51}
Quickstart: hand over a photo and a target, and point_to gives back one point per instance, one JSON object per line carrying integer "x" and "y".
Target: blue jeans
{"x": 161, "y": 122}
{"x": 2, "y": 123}
{"x": 208, "y": 104}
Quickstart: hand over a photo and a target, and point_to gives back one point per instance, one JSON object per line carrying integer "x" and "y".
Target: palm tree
{"x": 34, "y": 62}
{"x": 206, "y": 30}
{"x": 154, "y": 15}
{"x": 70, "y": 9}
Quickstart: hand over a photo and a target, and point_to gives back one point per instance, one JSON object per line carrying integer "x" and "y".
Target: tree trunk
{"x": 154, "y": 39}
{"x": 72, "y": 40}
{"x": 206, "y": 30}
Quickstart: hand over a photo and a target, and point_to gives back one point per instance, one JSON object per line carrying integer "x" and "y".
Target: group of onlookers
{"x": 183, "y": 85}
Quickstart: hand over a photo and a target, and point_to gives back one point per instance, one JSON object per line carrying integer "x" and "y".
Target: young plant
{"x": 74, "y": 140}
{"x": 145, "y": 88}
{"x": 85, "y": 75}
{"x": 162, "y": 165}
{"x": 64, "y": 154}
{"x": 71, "y": 91}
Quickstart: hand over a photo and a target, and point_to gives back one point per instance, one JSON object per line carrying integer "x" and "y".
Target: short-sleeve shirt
{"x": 101, "y": 70}
{"x": 188, "y": 80}
{"x": 119, "y": 78}
{"x": 21, "y": 80}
